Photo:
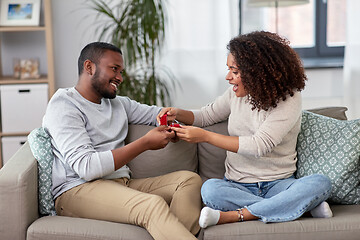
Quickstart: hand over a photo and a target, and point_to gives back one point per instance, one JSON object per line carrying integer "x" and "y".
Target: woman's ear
{"x": 89, "y": 67}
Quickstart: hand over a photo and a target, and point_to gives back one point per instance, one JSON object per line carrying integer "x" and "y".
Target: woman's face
{"x": 234, "y": 77}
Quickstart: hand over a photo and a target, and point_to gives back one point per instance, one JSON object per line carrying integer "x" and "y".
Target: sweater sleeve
{"x": 72, "y": 143}
{"x": 281, "y": 123}
{"x": 140, "y": 113}
{"x": 215, "y": 112}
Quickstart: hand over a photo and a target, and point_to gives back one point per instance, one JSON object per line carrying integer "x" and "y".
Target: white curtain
{"x": 352, "y": 60}
{"x": 198, "y": 32}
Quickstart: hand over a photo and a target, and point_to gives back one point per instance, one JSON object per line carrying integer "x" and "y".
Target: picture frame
{"x": 20, "y": 12}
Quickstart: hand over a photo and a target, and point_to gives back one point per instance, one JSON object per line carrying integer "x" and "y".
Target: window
{"x": 315, "y": 29}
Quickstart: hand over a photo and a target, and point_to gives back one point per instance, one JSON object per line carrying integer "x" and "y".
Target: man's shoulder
{"x": 62, "y": 93}
{"x": 63, "y": 98}
{"x": 59, "y": 106}
{"x": 124, "y": 100}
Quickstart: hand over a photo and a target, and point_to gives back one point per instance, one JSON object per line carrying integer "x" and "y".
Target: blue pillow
{"x": 40, "y": 145}
{"x": 331, "y": 147}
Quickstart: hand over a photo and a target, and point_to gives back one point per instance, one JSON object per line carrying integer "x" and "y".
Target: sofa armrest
{"x": 18, "y": 194}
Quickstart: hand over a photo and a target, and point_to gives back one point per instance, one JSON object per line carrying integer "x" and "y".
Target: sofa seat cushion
{"x": 69, "y": 228}
{"x": 344, "y": 225}
{"x": 174, "y": 157}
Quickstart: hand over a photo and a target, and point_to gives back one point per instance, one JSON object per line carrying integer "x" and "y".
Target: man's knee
{"x": 154, "y": 205}
{"x": 189, "y": 178}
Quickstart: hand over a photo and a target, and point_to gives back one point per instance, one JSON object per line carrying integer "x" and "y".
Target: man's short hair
{"x": 93, "y": 52}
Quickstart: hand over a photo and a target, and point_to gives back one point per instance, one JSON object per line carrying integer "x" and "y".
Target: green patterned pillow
{"x": 40, "y": 145}
{"x": 331, "y": 147}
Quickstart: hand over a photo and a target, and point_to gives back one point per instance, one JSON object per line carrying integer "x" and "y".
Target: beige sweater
{"x": 267, "y": 139}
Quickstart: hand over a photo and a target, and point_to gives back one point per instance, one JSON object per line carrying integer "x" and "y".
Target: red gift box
{"x": 163, "y": 120}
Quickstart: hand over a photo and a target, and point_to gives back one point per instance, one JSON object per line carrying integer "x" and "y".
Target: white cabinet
{"x": 23, "y": 101}
{"x": 22, "y": 107}
{"x": 10, "y": 145}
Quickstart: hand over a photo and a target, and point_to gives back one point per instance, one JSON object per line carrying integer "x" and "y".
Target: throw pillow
{"x": 40, "y": 145}
{"x": 331, "y": 147}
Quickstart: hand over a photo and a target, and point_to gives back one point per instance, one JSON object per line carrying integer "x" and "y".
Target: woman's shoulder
{"x": 295, "y": 99}
{"x": 291, "y": 105}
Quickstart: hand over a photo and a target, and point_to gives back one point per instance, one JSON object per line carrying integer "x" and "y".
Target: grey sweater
{"x": 267, "y": 139}
{"x": 83, "y": 134}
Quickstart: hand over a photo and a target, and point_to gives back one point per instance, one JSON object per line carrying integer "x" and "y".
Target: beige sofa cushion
{"x": 333, "y": 112}
{"x": 175, "y": 156}
{"x": 344, "y": 225}
{"x": 211, "y": 158}
{"x": 71, "y": 228}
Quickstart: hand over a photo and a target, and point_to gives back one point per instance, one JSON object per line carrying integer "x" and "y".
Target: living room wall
{"x": 198, "y": 32}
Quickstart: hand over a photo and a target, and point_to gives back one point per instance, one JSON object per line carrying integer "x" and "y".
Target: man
{"x": 88, "y": 125}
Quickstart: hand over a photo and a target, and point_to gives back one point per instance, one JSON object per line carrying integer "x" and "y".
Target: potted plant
{"x": 137, "y": 27}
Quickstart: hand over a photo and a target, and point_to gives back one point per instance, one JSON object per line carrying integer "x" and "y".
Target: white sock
{"x": 322, "y": 211}
{"x": 208, "y": 217}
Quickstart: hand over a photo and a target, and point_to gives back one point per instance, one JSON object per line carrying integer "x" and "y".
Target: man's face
{"x": 107, "y": 76}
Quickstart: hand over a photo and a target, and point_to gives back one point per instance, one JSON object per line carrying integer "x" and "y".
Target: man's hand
{"x": 155, "y": 139}
{"x": 158, "y": 138}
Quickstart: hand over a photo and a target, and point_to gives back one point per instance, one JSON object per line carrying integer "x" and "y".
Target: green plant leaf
{"x": 137, "y": 27}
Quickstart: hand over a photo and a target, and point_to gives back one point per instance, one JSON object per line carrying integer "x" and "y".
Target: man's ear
{"x": 89, "y": 67}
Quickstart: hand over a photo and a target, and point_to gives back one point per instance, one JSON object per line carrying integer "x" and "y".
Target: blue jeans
{"x": 275, "y": 201}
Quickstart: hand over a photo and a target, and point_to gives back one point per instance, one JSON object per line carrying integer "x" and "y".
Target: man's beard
{"x": 99, "y": 86}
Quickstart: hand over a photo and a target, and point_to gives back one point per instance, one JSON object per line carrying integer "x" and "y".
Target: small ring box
{"x": 164, "y": 121}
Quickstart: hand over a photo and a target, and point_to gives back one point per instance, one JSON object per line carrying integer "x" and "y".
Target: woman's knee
{"x": 209, "y": 190}
{"x": 325, "y": 182}
{"x": 319, "y": 181}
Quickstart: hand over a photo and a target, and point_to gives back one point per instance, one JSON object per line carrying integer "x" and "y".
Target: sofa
{"x": 20, "y": 218}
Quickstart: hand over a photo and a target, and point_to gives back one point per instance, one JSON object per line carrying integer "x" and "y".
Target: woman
{"x": 263, "y": 108}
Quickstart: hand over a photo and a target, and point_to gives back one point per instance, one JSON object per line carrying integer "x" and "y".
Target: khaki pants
{"x": 168, "y": 206}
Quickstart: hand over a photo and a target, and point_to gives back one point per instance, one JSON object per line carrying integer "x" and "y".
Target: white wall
{"x": 195, "y": 51}
{"x": 352, "y": 63}
{"x": 72, "y": 30}
{"x": 325, "y": 87}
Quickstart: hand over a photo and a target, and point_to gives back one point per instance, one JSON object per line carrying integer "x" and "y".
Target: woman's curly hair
{"x": 270, "y": 69}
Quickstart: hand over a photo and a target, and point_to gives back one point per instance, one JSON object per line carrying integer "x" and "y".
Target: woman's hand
{"x": 195, "y": 135}
{"x": 171, "y": 114}
{"x": 191, "y": 134}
